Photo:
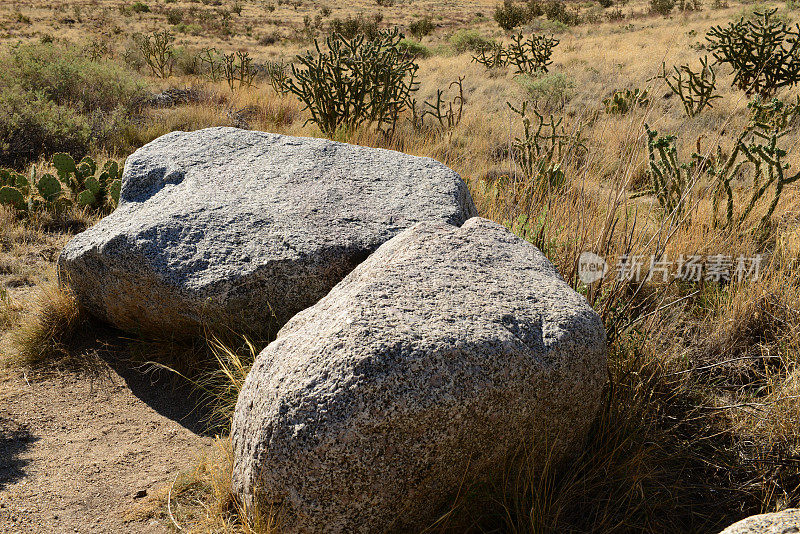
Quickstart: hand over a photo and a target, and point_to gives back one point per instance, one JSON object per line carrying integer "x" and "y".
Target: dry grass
{"x": 54, "y": 322}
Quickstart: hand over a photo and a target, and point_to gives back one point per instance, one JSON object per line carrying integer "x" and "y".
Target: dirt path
{"x": 90, "y": 453}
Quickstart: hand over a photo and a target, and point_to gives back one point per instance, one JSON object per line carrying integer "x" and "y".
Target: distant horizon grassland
{"x": 700, "y": 425}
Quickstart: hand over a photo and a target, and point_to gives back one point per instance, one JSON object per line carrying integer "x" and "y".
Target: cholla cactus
{"x": 492, "y": 56}
{"x": 695, "y": 89}
{"x": 544, "y": 148}
{"x": 764, "y": 53}
{"x": 670, "y": 180}
{"x": 755, "y": 151}
{"x": 355, "y": 81}
{"x": 528, "y": 56}
{"x": 532, "y": 55}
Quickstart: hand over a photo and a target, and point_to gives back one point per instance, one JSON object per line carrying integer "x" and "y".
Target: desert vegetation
{"x": 661, "y": 136}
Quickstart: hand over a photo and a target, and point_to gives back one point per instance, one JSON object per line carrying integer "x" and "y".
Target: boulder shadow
{"x": 165, "y": 392}
{"x": 14, "y": 440}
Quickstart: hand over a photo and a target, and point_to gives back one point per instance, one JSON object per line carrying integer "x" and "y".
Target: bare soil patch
{"x": 92, "y": 451}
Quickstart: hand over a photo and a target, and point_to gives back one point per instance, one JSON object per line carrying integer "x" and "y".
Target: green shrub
{"x": 464, "y": 40}
{"x": 191, "y": 29}
{"x": 509, "y": 15}
{"x": 64, "y": 75}
{"x": 548, "y": 26}
{"x": 662, "y": 7}
{"x": 421, "y": 27}
{"x": 535, "y": 9}
{"x": 174, "y": 16}
{"x": 32, "y": 125}
{"x": 140, "y": 7}
{"x": 63, "y": 101}
{"x": 552, "y": 90}
{"x": 556, "y": 10}
{"x": 414, "y": 48}
{"x": 356, "y": 26}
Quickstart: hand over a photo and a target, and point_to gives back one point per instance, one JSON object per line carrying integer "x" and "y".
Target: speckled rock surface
{"x": 786, "y": 522}
{"x": 424, "y": 367}
{"x": 224, "y": 224}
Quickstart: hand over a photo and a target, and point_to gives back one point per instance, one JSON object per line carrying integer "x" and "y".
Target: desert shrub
{"x": 268, "y": 39}
{"x": 354, "y": 81}
{"x": 552, "y": 90}
{"x": 764, "y": 53}
{"x": 690, "y": 5}
{"x": 421, "y": 27}
{"x": 186, "y": 62}
{"x": 174, "y": 16}
{"x": 556, "y": 10}
{"x": 79, "y": 102}
{"x": 509, "y": 15}
{"x": 140, "y": 7}
{"x": 31, "y": 125}
{"x": 464, "y": 40}
{"x": 615, "y": 15}
{"x": 662, "y": 7}
{"x": 360, "y": 25}
{"x": 66, "y": 76}
{"x": 414, "y": 48}
{"x": 191, "y": 29}
{"x": 548, "y": 26}
{"x": 606, "y": 3}
{"x": 535, "y": 9}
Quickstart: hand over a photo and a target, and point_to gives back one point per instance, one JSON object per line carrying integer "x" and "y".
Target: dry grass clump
{"x": 54, "y": 323}
{"x": 201, "y": 500}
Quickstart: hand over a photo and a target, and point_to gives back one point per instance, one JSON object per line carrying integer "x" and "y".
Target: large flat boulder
{"x": 425, "y": 369}
{"x": 786, "y": 522}
{"x": 235, "y": 226}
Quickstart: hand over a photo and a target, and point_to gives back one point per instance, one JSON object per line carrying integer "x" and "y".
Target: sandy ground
{"x": 90, "y": 452}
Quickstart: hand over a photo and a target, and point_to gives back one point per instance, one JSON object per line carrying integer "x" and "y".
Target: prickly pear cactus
{"x": 11, "y": 196}
{"x": 49, "y": 187}
{"x": 74, "y": 183}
